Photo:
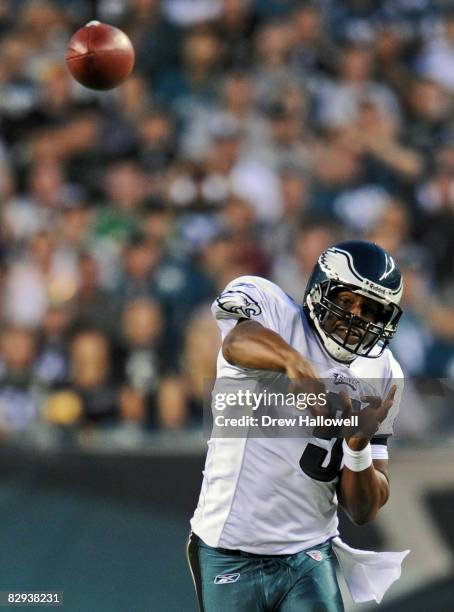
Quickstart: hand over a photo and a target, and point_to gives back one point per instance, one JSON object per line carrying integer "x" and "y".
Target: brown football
{"x": 100, "y": 56}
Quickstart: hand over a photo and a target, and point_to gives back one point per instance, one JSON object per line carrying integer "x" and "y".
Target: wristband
{"x": 357, "y": 461}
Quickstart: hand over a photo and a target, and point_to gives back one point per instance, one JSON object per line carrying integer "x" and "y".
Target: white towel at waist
{"x": 368, "y": 574}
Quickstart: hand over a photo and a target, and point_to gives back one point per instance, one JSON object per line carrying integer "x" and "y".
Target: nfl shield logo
{"x": 315, "y": 554}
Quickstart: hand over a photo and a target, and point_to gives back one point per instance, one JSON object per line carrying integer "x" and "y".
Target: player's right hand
{"x": 305, "y": 379}
{"x": 297, "y": 367}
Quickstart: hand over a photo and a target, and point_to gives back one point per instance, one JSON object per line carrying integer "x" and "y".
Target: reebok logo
{"x": 226, "y": 578}
{"x": 315, "y": 554}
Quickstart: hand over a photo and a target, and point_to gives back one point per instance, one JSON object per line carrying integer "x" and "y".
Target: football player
{"x": 263, "y": 531}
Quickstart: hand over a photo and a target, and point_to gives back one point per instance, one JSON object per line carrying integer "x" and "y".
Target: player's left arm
{"x": 362, "y": 493}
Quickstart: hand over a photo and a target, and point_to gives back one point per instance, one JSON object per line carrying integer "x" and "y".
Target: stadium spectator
{"x": 156, "y": 41}
{"x": 291, "y": 271}
{"x": 90, "y": 370}
{"x": 313, "y": 50}
{"x": 157, "y": 148}
{"x": 237, "y": 106}
{"x": 236, "y": 26}
{"x": 436, "y": 59}
{"x": 44, "y": 274}
{"x": 93, "y": 306}
{"x": 20, "y": 396}
{"x": 145, "y": 356}
{"x": 52, "y": 364}
{"x": 201, "y": 346}
{"x": 340, "y": 98}
{"x": 195, "y": 82}
{"x": 272, "y": 71}
{"x": 241, "y": 225}
{"x": 429, "y": 111}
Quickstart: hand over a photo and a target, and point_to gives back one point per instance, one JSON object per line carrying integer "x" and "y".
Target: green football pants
{"x": 236, "y": 581}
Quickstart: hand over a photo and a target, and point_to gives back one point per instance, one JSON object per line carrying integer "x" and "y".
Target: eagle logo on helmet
{"x": 238, "y": 302}
{"x": 338, "y": 264}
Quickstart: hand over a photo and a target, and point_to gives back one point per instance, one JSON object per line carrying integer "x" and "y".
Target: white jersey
{"x": 255, "y": 495}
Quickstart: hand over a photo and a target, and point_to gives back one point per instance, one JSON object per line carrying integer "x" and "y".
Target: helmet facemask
{"x": 361, "y": 335}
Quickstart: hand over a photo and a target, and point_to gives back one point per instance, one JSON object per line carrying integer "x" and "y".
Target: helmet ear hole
{"x": 321, "y": 313}
{"x": 316, "y": 294}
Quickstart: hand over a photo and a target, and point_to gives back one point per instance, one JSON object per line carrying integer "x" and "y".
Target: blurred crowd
{"x": 251, "y": 135}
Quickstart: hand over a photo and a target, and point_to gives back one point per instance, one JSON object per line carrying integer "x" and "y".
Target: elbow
{"x": 228, "y": 350}
{"x": 227, "y": 354}
{"x": 233, "y": 345}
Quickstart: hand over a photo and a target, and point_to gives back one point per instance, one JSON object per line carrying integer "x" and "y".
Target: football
{"x": 100, "y": 56}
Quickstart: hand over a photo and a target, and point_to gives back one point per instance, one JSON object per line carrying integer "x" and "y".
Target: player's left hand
{"x": 370, "y": 417}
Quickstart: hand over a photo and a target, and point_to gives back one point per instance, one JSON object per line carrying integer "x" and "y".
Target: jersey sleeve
{"x": 248, "y": 297}
{"x": 395, "y": 377}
